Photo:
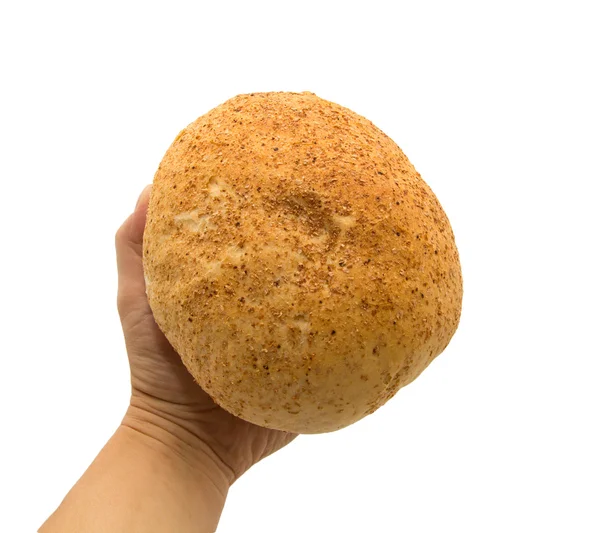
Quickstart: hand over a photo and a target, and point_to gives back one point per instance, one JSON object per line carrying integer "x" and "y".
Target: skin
{"x": 169, "y": 465}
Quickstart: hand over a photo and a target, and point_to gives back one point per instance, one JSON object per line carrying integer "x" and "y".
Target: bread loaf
{"x": 297, "y": 262}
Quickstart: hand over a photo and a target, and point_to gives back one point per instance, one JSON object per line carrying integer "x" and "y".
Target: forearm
{"x": 144, "y": 480}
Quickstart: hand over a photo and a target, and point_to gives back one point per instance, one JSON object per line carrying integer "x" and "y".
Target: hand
{"x": 170, "y": 464}
{"x": 166, "y": 401}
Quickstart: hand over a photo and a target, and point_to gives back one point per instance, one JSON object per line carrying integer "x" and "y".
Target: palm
{"x": 157, "y": 372}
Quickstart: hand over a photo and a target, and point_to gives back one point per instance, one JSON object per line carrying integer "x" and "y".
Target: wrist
{"x": 166, "y": 435}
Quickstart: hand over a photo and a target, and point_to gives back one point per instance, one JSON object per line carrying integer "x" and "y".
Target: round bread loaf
{"x": 297, "y": 262}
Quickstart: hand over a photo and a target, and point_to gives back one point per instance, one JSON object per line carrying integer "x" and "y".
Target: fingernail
{"x": 142, "y": 194}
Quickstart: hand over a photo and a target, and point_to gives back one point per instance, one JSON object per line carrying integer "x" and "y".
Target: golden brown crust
{"x": 297, "y": 261}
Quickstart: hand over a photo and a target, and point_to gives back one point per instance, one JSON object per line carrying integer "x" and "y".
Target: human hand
{"x": 165, "y": 401}
{"x": 170, "y": 464}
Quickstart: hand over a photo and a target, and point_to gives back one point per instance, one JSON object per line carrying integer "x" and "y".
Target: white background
{"x": 497, "y": 106}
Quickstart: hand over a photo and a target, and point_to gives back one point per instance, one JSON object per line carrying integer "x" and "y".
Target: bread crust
{"x": 297, "y": 262}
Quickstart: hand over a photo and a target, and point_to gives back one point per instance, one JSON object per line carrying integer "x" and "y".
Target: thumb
{"x": 129, "y": 246}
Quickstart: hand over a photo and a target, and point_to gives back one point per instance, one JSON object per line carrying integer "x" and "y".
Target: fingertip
{"x": 138, "y": 218}
{"x": 143, "y": 198}
{"x": 131, "y": 231}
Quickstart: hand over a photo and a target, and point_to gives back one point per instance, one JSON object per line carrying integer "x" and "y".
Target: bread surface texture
{"x": 297, "y": 262}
